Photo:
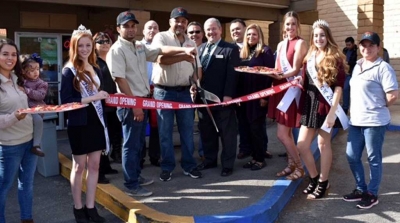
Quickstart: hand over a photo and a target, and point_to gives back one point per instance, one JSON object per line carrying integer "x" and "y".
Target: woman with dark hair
{"x": 16, "y": 133}
{"x": 256, "y": 53}
{"x": 103, "y": 42}
{"x": 87, "y": 131}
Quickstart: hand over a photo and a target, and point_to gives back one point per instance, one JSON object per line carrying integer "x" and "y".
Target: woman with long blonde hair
{"x": 87, "y": 131}
{"x": 256, "y": 53}
{"x": 324, "y": 75}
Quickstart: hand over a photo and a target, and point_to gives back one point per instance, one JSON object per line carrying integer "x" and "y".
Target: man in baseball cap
{"x": 371, "y": 36}
{"x": 179, "y": 12}
{"x": 125, "y": 17}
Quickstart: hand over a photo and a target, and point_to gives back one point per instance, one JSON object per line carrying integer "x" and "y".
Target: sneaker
{"x": 356, "y": 195}
{"x": 165, "y": 175}
{"x": 368, "y": 201}
{"x": 193, "y": 174}
{"x": 144, "y": 182}
{"x": 139, "y": 192}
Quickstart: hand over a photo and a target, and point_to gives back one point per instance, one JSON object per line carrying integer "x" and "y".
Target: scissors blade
{"x": 208, "y": 95}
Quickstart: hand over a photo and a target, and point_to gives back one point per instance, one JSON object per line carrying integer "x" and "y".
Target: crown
{"x": 81, "y": 29}
{"x": 320, "y": 23}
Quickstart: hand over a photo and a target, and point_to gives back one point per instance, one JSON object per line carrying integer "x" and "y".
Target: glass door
{"x": 49, "y": 47}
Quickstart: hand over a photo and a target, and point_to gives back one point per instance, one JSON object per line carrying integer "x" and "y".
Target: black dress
{"x": 87, "y": 138}
{"x": 313, "y": 114}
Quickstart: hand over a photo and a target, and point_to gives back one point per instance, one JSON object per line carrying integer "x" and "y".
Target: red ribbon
{"x": 121, "y": 100}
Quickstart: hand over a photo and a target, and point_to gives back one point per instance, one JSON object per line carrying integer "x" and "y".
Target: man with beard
{"x": 171, "y": 78}
{"x": 149, "y": 31}
{"x": 218, "y": 60}
{"x": 126, "y": 61}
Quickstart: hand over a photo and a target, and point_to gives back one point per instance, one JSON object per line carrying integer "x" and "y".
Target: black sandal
{"x": 312, "y": 185}
{"x": 320, "y": 191}
{"x": 258, "y": 165}
{"x": 249, "y": 164}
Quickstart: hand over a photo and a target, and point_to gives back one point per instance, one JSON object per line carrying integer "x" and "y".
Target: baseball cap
{"x": 371, "y": 36}
{"x": 178, "y": 12}
{"x": 125, "y": 17}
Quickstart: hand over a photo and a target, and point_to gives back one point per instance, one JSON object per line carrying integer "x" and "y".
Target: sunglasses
{"x": 197, "y": 32}
{"x": 103, "y": 41}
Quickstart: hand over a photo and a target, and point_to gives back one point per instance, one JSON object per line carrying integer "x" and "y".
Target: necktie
{"x": 205, "y": 59}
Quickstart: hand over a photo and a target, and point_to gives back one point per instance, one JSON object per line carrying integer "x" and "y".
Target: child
{"x": 36, "y": 89}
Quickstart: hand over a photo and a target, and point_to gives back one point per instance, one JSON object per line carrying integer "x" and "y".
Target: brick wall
{"x": 391, "y": 29}
{"x": 341, "y": 16}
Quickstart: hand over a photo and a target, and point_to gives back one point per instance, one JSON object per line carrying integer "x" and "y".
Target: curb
{"x": 267, "y": 209}
{"x": 121, "y": 205}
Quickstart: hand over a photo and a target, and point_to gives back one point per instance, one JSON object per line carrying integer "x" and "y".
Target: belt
{"x": 176, "y": 88}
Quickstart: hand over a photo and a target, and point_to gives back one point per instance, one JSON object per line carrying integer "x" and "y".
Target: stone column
{"x": 370, "y": 17}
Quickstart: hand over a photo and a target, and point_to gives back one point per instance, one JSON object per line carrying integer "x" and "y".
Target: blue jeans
{"x": 134, "y": 134}
{"x": 372, "y": 139}
{"x": 184, "y": 119}
{"x": 17, "y": 160}
{"x": 346, "y": 93}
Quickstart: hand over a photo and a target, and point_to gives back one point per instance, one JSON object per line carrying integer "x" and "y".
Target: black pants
{"x": 243, "y": 128}
{"x": 225, "y": 119}
{"x": 258, "y": 137}
{"x": 114, "y": 128}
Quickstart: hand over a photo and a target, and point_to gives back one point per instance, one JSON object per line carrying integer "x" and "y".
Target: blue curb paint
{"x": 267, "y": 209}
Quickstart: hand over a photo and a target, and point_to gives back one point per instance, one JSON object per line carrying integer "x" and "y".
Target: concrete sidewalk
{"x": 246, "y": 196}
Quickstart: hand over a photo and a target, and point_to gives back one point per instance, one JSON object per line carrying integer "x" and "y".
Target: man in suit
{"x": 218, "y": 59}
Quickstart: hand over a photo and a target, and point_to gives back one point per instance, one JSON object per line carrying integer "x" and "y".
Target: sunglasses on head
{"x": 103, "y": 41}
{"x": 197, "y": 32}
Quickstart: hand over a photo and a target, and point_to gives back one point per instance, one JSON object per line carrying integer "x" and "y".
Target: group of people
{"x": 171, "y": 65}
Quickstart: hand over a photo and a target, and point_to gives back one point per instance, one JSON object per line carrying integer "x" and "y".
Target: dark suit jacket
{"x": 69, "y": 94}
{"x": 220, "y": 76}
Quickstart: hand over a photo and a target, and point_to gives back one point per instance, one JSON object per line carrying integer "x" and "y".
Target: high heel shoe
{"x": 288, "y": 169}
{"x": 80, "y": 215}
{"x": 93, "y": 216}
{"x": 312, "y": 185}
{"x": 298, "y": 172}
{"x": 320, "y": 191}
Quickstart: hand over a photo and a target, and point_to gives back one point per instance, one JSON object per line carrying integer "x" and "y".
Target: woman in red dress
{"x": 290, "y": 54}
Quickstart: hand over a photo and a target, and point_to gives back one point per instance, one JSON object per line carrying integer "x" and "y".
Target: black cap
{"x": 125, "y": 17}
{"x": 371, "y": 36}
{"x": 178, "y": 12}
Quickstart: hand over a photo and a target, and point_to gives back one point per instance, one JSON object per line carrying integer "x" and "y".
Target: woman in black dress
{"x": 87, "y": 130}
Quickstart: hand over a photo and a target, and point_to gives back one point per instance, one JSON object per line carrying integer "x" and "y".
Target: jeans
{"x": 184, "y": 119}
{"x": 17, "y": 161}
{"x": 134, "y": 134}
{"x": 346, "y": 93}
{"x": 372, "y": 139}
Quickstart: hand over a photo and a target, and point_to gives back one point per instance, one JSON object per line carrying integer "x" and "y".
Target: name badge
{"x": 219, "y": 56}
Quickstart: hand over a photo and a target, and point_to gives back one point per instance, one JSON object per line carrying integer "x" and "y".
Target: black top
{"x": 108, "y": 83}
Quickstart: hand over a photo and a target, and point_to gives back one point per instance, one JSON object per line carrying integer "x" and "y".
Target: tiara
{"x": 81, "y": 29}
{"x": 320, "y": 23}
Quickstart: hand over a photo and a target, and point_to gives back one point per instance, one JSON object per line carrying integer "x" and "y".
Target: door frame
{"x": 58, "y": 37}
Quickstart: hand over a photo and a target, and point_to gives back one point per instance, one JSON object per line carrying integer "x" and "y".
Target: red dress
{"x": 291, "y": 118}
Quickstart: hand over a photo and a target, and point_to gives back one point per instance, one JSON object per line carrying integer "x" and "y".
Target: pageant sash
{"x": 293, "y": 93}
{"x": 86, "y": 92}
{"x": 327, "y": 93}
